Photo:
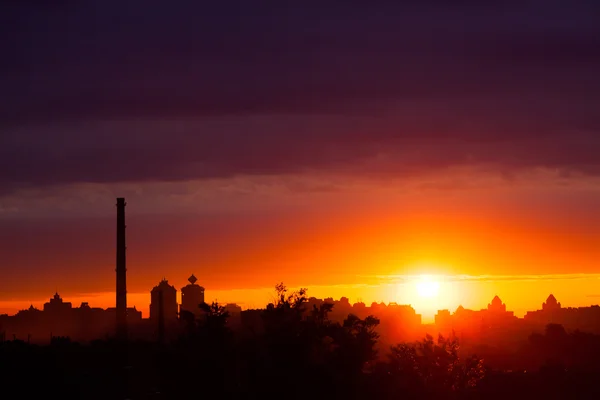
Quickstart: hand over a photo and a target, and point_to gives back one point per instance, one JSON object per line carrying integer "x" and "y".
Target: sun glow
{"x": 427, "y": 287}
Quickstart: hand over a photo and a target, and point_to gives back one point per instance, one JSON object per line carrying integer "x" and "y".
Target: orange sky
{"x": 345, "y": 242}
{"x": 389, "y": 141}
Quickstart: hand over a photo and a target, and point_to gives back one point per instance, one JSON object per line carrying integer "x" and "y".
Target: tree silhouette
{"x": 215, "y": 316}
{"x": 299, "y": 352}
{"x": 434, "y": 366}
{"x": 358, "y": 340}
{"x": 293, "y": 300}
{"x": 320, "y": 315}
{"x": 188, "y": 320}
{"x": 286, "y": 312}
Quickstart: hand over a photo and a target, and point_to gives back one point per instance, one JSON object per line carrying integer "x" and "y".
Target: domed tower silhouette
{"x": 192, "y": 296}
{"x": 551, "y": 304}
{"x": 496, "y": 305}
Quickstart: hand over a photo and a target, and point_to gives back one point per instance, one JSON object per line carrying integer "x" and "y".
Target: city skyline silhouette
{"x": 167, "y": 308}
{"x": 419, "y": 282}
{"x": 390, "y": 149}
{"x": 266, "y": 200}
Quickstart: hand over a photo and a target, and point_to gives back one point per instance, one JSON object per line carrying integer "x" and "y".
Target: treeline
{"x": 298, "y": 354}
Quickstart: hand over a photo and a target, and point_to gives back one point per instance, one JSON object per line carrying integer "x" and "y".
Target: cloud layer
{"x": 146, "y": 91}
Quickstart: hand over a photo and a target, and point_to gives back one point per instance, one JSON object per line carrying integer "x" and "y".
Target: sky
{"x": 335, "y": 147}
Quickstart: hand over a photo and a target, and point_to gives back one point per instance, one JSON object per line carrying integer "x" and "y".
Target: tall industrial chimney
{"x": 121, "y": 272}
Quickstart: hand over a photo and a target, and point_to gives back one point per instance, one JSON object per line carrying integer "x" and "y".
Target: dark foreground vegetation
{"x": 294, "y": 356}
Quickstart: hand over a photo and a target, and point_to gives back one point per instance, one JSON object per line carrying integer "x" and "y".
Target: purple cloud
{"x": 95, "y": 92}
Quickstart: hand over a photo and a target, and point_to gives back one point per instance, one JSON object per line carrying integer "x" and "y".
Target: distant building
{"x": 443, "y": 319}
{"x": 57, "y": 306}
{"x": 169, "y": 299}
{"x": 489, "y": 324}
{"x": 192, "y": 296}
{"x": 60, "y": 318}
{"x": 586, "y": 319}
{"x": 551, "y": 304}
{"x": 496, "y": 306}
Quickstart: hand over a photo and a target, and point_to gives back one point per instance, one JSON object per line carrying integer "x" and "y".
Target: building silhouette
{"x": 169, "y": 302}
{"x": 56, "y": 306}
{"x": 496, "y": 306}
{"x": 551, "y": 304}
{"x": 586, "y": 319}
{"x": 60, "y": 318}
{"x": 491, "y": 324}
{"x": 192, "y": 295}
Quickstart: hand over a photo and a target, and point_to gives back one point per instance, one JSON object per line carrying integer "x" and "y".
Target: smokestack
{"x": 121, "y": 272}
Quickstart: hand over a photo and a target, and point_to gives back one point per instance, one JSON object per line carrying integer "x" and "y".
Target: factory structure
{"x": 121, "y": 290}
{"x": 59, "y": 318}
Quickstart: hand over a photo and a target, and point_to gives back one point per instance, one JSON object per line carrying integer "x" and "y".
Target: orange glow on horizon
{"x": 360, "y": 254}
{"x": 520, "y": 293}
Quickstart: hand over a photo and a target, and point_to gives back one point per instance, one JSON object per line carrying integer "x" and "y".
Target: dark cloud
{"x": 128, "y": 91}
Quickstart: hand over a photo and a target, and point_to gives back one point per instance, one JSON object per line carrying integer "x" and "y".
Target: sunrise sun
{"x": 427, "y": 286}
